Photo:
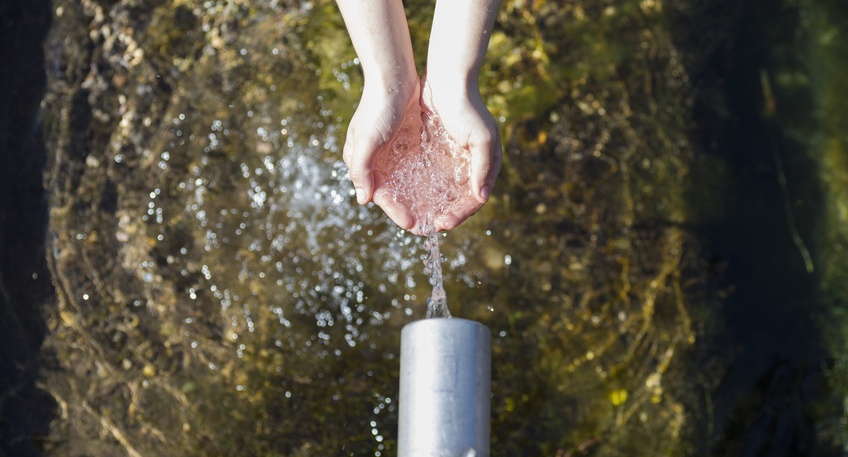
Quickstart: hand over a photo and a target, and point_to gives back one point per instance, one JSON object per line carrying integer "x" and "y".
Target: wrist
{"x": 451, "y": 88}
{"x": 392, "y": 80}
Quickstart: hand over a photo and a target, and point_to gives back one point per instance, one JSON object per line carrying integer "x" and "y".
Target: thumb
{"x": 486, "y": 159}
{"x": 360, "y": 170}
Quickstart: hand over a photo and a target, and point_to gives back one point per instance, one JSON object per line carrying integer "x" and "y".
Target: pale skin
{"x": 458, "y": 41}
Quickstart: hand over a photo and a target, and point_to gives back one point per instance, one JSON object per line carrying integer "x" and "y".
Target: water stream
{"x": 437, "y": 304}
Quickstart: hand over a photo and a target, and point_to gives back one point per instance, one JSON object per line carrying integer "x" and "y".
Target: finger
{"x": 360, "y": 169}
{"x": 467, "y": 207}
{"x": 485, "y": 165}
{"x": 398, "y": 213}
{"x": 495, "y": 164}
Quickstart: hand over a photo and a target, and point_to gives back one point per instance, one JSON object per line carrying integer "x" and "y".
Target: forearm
{"x": 380, "y": 35}
{"x": 458, "y": 41}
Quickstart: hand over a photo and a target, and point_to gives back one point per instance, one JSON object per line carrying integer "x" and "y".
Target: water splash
{"x": 426, "y": 171}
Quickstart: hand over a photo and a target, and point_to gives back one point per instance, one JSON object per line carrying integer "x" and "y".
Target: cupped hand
{"x": 375, "y": 124}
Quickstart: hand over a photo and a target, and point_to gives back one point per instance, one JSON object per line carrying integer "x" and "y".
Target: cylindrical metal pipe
{"x": 445, "y": 389}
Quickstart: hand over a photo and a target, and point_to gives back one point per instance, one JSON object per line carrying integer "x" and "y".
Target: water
{"x": 425, "y": 170}
{"x": 437, "y": 305}
{"x": 427, "y": 174}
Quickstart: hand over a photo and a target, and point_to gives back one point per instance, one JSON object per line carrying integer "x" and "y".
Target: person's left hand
{"x": 467, "y": 121}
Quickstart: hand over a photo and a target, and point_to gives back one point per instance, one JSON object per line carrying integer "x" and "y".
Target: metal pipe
{"x": 445, "y": 389}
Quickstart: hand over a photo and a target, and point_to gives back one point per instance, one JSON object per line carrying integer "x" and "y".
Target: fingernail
{"x": 360, "y": 196}
{"x": 484, "y": 193}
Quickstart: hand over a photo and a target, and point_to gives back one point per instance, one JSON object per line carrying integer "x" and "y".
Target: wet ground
{"x": 185, "y": 270}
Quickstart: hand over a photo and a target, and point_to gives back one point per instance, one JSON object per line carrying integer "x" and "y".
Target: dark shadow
{"x": 743, "y": 120}
{"x": 25, "y": 287}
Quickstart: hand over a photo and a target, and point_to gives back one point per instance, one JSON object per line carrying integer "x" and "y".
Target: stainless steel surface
{"x": 445, "y": 389}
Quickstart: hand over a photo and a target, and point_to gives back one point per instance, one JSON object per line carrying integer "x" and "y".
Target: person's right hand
{"x": 375, "y": 124}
